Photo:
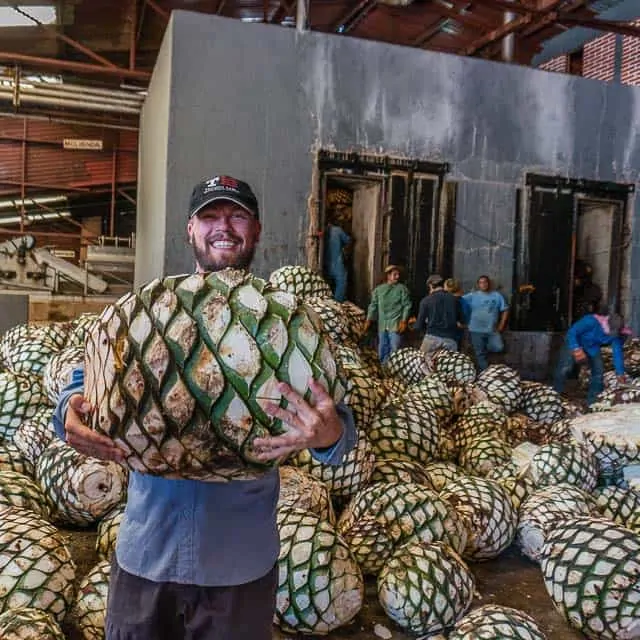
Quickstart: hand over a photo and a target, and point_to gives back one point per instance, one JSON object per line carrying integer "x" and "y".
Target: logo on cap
{"x": 221, "y": 183}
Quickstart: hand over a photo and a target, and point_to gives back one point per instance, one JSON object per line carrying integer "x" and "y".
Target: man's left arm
{"x": 504, "y": 314}
{"x": 335, "y": 454}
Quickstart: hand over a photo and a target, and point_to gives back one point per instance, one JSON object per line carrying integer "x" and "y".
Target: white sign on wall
{"x": 76, "y": 143}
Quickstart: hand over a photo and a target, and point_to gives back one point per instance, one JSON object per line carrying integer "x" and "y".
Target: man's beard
{"x": 207, "y": 262}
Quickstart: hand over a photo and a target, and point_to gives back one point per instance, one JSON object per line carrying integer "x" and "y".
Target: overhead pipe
{"x": 78, "y": 104}
{"x": 82, "y": 89}
{"x": 60, "y": 93}
{"x": 64, "y": 102}
{"x": 71, "y": 91}
{"x": 56, "y": 95}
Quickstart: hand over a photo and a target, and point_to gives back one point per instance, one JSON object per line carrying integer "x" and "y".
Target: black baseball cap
{"x": 223, "y": 188}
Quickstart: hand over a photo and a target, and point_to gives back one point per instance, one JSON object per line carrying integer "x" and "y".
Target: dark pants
{"x": 139, "y": 609}
{"x": 566, "y": 365}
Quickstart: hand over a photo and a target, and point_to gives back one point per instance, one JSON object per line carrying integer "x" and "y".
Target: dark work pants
{"x": 566, "y": 365}
{"x": 140, "y": 609}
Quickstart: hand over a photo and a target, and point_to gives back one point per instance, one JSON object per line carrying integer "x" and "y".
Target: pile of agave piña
{"x": 450, "y": 468}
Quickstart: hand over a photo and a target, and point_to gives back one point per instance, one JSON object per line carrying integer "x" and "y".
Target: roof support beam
{"x": 133, "y": 28}
{"x": 163, "y": 13}
{"x": 533, "y": 22}
{"x": 623, "y": 28}
{"x": 505, "y": 5}
{"x": 357, "y": 13}
{"x": 429, "y": 33}
{"x": 66, "y": 39}
{"x": 466, "y": 19}
{"x": 55, "y": 64}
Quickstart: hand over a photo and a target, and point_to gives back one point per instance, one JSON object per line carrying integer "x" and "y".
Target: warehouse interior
{"x": 454, "y": 137}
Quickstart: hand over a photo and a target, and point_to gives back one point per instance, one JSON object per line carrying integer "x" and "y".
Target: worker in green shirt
{"x": 390, "y": 308}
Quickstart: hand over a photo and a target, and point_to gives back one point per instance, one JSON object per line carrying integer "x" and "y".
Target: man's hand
{"x": 402, "y": 326}
{"x": 367, "y": 325}
{"x": 579, "y": 355}
{"x": 312, "y": 426}
{"x": 84, "y": 439}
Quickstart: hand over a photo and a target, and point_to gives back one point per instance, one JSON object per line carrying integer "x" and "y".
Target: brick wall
{"x": 630, "y": 73}
{"x": 560, "y": 64}
{"x": 598, "y": 61}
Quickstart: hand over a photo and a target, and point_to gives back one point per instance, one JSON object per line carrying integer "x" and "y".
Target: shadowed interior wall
{"x": 257, "y": 101}
{"x": 153, "y": 170}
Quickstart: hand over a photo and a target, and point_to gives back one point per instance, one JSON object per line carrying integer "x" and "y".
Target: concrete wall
{"x": 14, "y": 310}
{"x": 153, "y": 169}
{"x": 256, "y": 101}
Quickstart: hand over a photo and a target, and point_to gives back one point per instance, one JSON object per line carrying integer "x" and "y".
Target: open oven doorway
{"x": 355, "y": 205}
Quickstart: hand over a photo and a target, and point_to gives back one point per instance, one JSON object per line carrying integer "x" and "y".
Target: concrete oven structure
{"x": 454, "y": 164}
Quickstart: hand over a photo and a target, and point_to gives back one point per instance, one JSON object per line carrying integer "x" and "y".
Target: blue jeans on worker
{"x": 338, "y": 281}
{"x": 566, "y": 364}
{"x": 484, "y": 343}
{"x": 388, "y": 342}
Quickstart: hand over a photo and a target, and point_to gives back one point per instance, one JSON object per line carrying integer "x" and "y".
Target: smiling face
{"x": 393, "y": 276}
{"x": 223, "y": 234}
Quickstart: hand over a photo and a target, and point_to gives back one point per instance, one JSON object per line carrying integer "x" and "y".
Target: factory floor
{"x": 509, "y": 580}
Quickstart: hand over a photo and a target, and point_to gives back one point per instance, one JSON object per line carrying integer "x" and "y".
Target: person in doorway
{"x": 583, "y": 345}
{"x": 439, "y": 316}
{"x": 488, "y": 315}
{"x": 390, "y": 308}
{"x": 197, "y": 559}
{"x": 336, "y": 242}
{"x": 587, "y": 295}
{"x": 453, "y": 287}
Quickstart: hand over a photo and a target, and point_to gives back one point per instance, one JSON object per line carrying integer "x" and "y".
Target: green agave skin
{"x": 386, "y": 515}
{"x": 108, "y": 529}
{"x": 591, "y": 570}
{"x": 302, "y": 282}
{"x": 502, "y": 386}
{"x": 320, "y": 586}
{"x": 26, "y": 623}
{"x": 79, "y": 489}
{"x": 35, "y": 434}
{"x": 11, "y": 459}
{"x": 20, "y": 397}
{"x": 56, "y": 374}
{"x": 425, "y": 588}
{"x": 91, "y": 601}
{"x": 36, "y": 569}
{"x": 18, "y": 490}
{"x": 495, "y": 622}
{"x": 489, "y": 513}
{"x": 180, "y": 372}
{"x": 541, "y": 403}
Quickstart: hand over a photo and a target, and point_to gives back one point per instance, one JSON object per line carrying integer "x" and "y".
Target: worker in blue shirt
{"x": 336, "y": 241}
{"x": 488, "y": 315}
{"x": 582, "y": 346}
{"x": 197, "y": 559}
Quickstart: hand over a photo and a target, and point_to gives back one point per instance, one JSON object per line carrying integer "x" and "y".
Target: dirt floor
{"x": 510, "y": 580}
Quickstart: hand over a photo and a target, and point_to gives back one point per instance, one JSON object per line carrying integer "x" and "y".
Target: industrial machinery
{"x": 27, "y": 268}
